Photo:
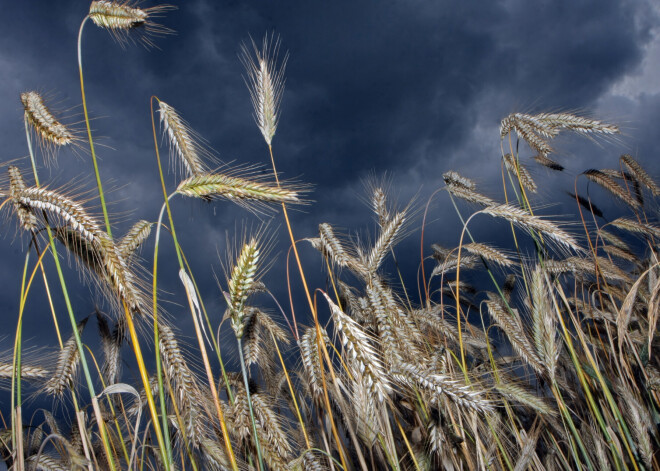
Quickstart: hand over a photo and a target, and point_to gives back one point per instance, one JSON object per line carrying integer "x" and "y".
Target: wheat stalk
{"x": 636, "y": 226}
{"x": 544, "y": 324}
{"x": 514, "y": 390}
{"x": 239, "y": 190}
{"x": 242, "y": 276}
{"x": 546, "y": 162}
{"x": 67, "y": 366}
{"x": 514, "y": 332}
{"x": 439, "y": 385}
{"x": 361, "y": 352}
{"x": 489, "y": 253}
{"x": 464, "y": 188}
{"x": 640, "y": 174}
{"x": 51, "y": 132}
{"x": 601, "y": 178}
{"x": 184, "y": 382}
{"x": 527, "y": 221}
{"x": 123, "y": 16}
{"x": 386, "y": 239}
{"x": 28, "y": 372}
{"x": 512, "y": 165}
{"x": 133, "y": 239}
{"x": 186, "y": 147}
{"x": 265, "y": 80}
{"x": 25, "y": 214}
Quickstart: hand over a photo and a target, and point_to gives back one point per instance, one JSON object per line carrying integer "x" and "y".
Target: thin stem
{"x": 89, "y": 131}
{"x": 147, "y": 387}
{"x": 159, "y": 367}
{"x": 249, "y": 401}
{"x": 293, "y": 240}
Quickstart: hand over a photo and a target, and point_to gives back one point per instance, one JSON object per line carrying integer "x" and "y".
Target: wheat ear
{"x": 67, "y": 366}
{"x": 465, "y": 188}
{"x": 516, "y": 168}
{"x": 311, "y": 362}
{"x": 513, "y": 330}
{"x": 640, "y": 174}
{"x": 379, "y": 205}
{"x": 388, "y": 235}
{"x": 636, "y": 226}
{"x": 242, "y": 276}
{"x": 185, "y": 385}
{"x": 121, "y": 17}
{"x": 489, "y": 253}
{"x": 361, "y": 352}
{"x": 239, "y": 190}
{"x": 544, "y": 324}
{"x": 330, "y": 245}
{"x": 111, "y": 345}
{"x": 265, "y": 80}
{"x": 133, "y": 239}
{"x": 439, "y": 385}
{"x": 529, "y": 129}
{"x": 601, "y": 178}
{"x": 186, "y": 147}
{"x": 511, "y": 389}
{"x": 587, "y": 204}
{"x": 528, "y": 221}
{"x": 51, "y": 132}
{"x": 25, "y": 213}
{"x": 638, "y": 415}
{"x": 549, "y": 163}
{"x": 27, "y": 372}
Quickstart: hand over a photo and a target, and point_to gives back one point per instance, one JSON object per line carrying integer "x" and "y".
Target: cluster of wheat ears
{"x": 553, "y": 364}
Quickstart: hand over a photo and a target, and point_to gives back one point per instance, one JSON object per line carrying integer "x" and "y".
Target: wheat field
{"x": 546, "y": 359}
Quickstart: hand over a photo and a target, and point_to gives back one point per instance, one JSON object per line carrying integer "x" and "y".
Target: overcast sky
{"x": 411, "y": 88}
